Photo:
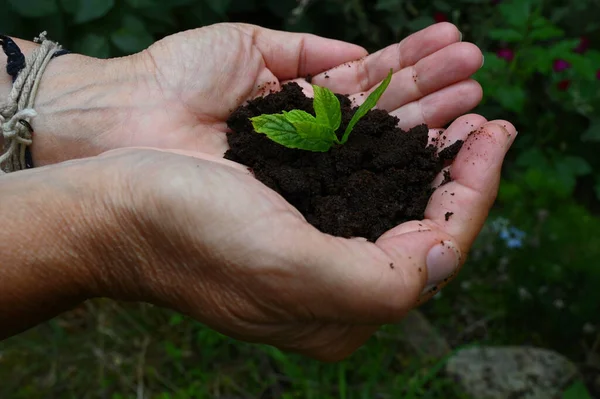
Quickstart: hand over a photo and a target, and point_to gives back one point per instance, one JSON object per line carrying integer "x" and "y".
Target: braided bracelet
{"x": 16, "y": 113}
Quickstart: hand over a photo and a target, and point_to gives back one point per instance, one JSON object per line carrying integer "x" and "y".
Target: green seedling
{"x": 301, "y": 130}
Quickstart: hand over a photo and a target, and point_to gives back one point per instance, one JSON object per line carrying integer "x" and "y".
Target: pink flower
{"x": 440, "y": 17}
{"x": 506, "y": 54}
{"x": 584, "y": 44}
{"x": 563, "y": 84}
{"x": 561, "y": 65}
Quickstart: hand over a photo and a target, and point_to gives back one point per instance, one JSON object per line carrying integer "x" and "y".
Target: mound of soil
{"x": 379, "y": 179}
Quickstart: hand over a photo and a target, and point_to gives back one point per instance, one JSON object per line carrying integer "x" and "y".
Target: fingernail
{"x": 460, "y": 36}
{"x": 482, "y": 61}
{"x": 442, "y": 262}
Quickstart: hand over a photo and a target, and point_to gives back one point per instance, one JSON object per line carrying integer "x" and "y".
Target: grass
{"x": 110, "y": 350}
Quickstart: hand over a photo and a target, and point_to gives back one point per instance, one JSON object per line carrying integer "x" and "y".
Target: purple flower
{"x": 506, "y": 54}
{"x": 584, "y": 44}
{"x": 561, "y": 65}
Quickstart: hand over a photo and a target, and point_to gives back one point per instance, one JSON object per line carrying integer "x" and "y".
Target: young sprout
{"x": 299, "y": 129}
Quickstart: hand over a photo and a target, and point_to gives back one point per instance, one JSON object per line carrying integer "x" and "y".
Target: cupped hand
{"x": 201, "y": 235}
{"x": 179, "y": 93}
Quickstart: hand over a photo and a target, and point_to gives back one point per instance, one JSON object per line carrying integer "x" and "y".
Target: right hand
{"x": 179, "y": 92}
{"x": 200, "y": 235}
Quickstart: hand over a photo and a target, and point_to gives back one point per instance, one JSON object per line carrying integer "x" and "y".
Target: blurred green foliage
{"x": 533, "y": 276}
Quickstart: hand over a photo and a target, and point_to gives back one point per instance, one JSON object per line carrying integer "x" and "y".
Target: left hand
{"x": 200, "y": 235}
{"x": 179, "y": 93}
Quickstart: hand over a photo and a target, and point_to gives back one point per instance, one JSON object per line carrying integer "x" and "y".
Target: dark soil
{"x": 380, "y": 178}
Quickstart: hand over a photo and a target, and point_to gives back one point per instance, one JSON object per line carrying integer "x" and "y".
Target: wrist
{"x": 53, "y": 230}
{"x": 79, "y": 99}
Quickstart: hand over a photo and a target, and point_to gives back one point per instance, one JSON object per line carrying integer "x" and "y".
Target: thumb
{"x": 291, "y": 55}
{"x": 378, "y": 283}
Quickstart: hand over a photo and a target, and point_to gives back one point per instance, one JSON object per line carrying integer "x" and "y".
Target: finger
{"x": 458, "y": 130}
{"x": 351, "y": 282}
{"x": 475, "y": 177}
{"x": 362, "y": 74}
{"x": 436, "y": 109}
{"x": 442, "y": 139}
{"x": 439, "y": 108}
{"x": 445, "y": 67}
{"x": 292, "y": 55}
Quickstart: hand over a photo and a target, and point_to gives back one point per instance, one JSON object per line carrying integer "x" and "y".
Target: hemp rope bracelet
{"x": 16, "y": 113}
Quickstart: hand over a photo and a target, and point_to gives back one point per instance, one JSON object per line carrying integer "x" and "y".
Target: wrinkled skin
{"x": 180, "y": 227}
{"x": 179, "y": 92}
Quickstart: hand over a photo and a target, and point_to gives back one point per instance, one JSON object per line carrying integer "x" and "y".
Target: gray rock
{"x": 511, "y": 372}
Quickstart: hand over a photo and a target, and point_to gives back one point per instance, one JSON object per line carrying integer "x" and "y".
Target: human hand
{"x": 179, "y": 92}
{"x": 202, "y": 236}
{"x": 199, "y": 234}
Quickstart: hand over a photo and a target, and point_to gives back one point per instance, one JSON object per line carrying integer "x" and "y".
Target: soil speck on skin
{"x": 379, "y": 179}
{"x": 447, "y": 178}
{"x": 448, "y": 215}
{"x": 392, "y": 266}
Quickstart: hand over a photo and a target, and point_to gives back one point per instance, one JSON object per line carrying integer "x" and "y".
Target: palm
{"x": 295, "y": 287}
{"x": 201, "y": 76}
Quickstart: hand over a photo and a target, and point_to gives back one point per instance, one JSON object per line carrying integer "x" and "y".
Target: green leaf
{"x": 568, "y": 169}
{"x": 315, "y": 131}
{"x": 516, "y": 13}
{"x": 132, "y": 36}
{"x": 546, "y": 32}
{"x": 327, "y": 107}
{"x": 93, "y": 45}
{"x": 577, "y": 390}
{"x": 302, "y": 135}
{"x": 506, "y": 35}
{"x": 562, "y": 48}
{"x": 574, "y": 166}
{"x": 34, "y": 8}
{"x": 89, "y": 10}
{"x": 369, "y": 103}
{"x": 511, "y": 98}
{"x": 296, "y": 116}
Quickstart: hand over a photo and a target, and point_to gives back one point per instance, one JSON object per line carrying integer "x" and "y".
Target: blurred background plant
{"x": 533, "y": 277}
